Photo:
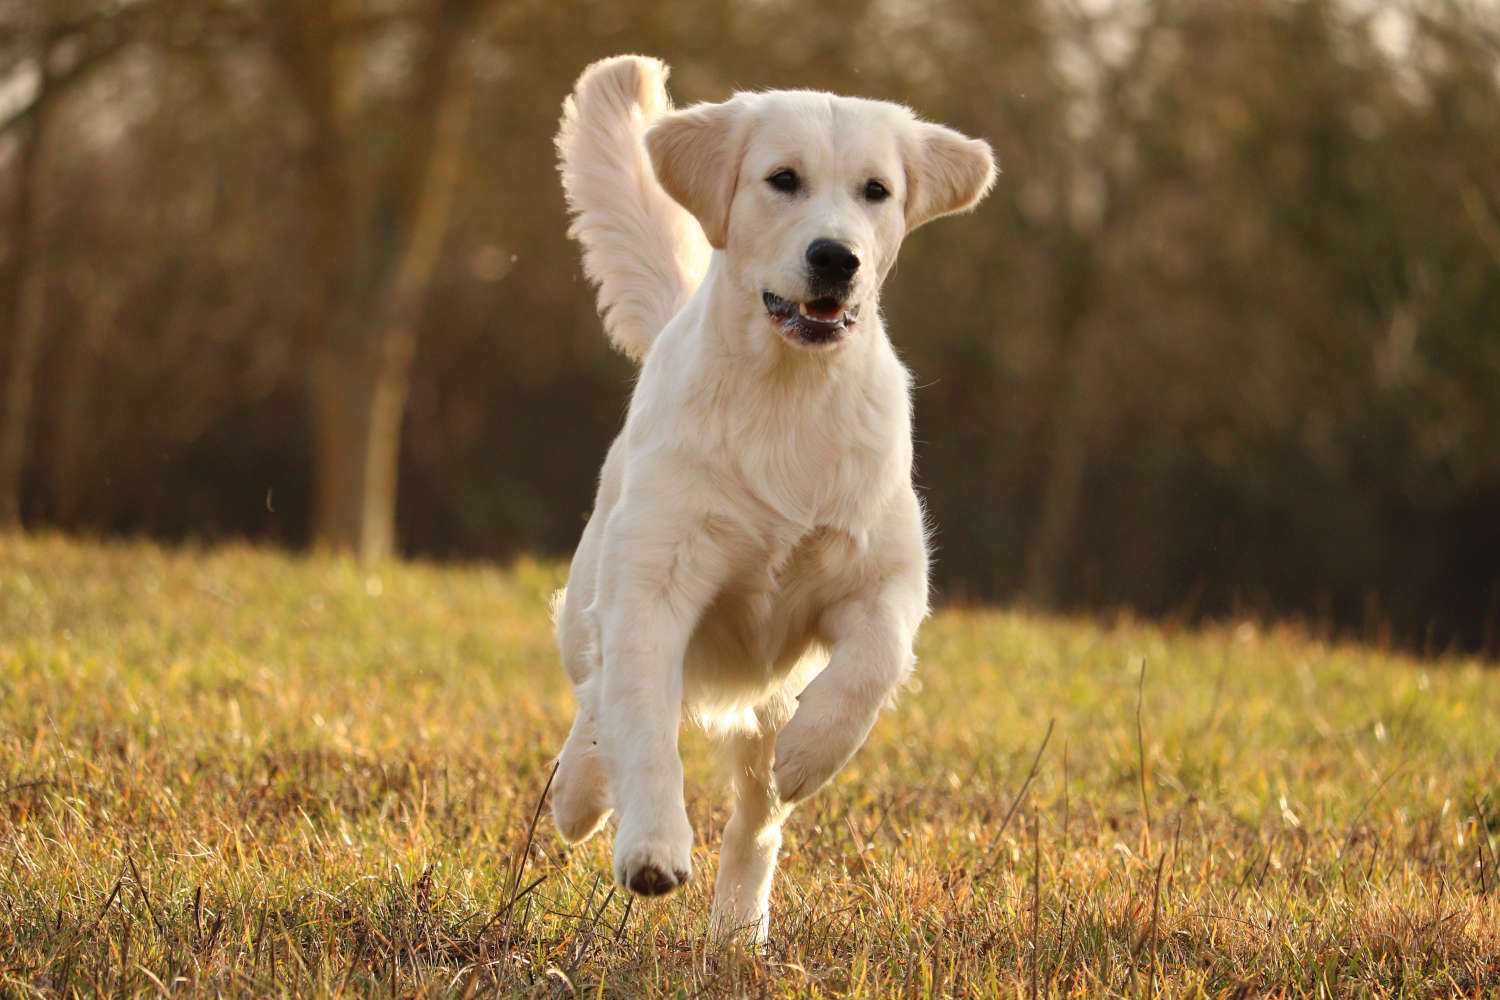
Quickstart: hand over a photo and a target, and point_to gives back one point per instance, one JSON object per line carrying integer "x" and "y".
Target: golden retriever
{"x": 756, "y": 555}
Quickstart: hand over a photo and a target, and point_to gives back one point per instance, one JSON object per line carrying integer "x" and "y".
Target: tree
{"x": 57, "y": 70}
{"x": 378, "y": 220}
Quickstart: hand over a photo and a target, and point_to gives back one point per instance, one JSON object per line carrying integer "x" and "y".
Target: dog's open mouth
{"x": 817, "y": 321}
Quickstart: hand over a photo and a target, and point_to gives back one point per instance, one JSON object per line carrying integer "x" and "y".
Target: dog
{"x": 757, "y": 556}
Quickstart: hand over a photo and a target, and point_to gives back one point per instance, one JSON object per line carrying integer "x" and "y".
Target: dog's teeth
{"x": 802, "y": 308}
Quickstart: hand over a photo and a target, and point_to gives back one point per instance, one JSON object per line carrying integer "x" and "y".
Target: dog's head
{"x": 809, "y": 196}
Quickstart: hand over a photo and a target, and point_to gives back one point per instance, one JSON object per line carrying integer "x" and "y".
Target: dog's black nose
{"x": 831, "y": 262}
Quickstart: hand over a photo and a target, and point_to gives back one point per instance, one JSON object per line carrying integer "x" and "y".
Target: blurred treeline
{"x": 1226, "y": 338}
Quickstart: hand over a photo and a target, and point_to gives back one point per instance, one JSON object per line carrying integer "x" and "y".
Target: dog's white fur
{"x": 756, "y": 533}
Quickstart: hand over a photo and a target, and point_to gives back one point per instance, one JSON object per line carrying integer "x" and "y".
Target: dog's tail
{"x": 643, "y": 250}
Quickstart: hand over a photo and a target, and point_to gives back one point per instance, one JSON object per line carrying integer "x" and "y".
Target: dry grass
{"x": 236, "y": 772}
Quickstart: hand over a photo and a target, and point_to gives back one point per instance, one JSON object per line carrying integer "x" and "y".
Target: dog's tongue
{"x": 824, "y": 309}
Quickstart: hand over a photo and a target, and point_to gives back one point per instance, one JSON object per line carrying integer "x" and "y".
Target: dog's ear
{"x": 696, "y": 154}
{"x": 945, "y": 172}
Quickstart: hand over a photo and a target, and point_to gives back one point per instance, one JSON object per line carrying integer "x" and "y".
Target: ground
{"x": 236, "y": 771}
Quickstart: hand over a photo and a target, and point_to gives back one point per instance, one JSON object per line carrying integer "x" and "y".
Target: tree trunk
{"x": 361, "y": 369}
{"x": 100, "y": 295}
{"x": 29, "y": 317}
{"x": 1052, "y": 547}
{"x": 30, "y": 323}
{"x": 358, "y": 402}
{"x": 29, "y": 320}
{"x": 1074, "y": 381}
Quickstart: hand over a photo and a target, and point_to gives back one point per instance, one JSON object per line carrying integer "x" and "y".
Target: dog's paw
{"x": 807, "y": 756}
{"x": 580, "y": 799}
{"x": 653, "y": 860}
{"x": 580, "y": 787}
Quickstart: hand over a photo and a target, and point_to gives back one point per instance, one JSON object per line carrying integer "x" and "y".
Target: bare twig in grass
{"x": 1482, "y": 838}
{"x": 1064, "y": 952}
{"x": 855, "y": 840}
{"x": 140, "y": 888}
{"x": 1265, "y": 868}
{"x": 1149, "y": 938}
{"x": 587, "y": 937}
{"x": 113, "y": 895}
{"x": 516, "y": 893}
{"x": 260, "y": 934}
{"x": 1036, "y": 901}
{"x": 624, "y": 918}
{"x": 1140, "y": 746}
{"x": 1065, "y": 798}
{"x": 24, "y": 785}
{"x": 213, "y": 932}
{"x": 526, "y": 892}
{"x": 1176, "y": 839}
{"x": 994, "y": 851}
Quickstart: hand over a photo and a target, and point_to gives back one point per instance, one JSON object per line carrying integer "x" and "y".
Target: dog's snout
{"x": 831, "y": 262}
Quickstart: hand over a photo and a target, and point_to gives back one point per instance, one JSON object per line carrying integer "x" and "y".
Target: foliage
{"x": 239, "y": 772}
{"x": 1223, "y": 339}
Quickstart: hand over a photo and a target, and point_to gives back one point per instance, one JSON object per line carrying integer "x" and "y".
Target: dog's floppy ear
{"x": 945, "y": 172}
{"x": 696, "y": 155}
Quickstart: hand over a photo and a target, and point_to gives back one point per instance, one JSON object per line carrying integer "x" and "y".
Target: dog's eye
{"x": 785, "y": 180}
{"x": 875, "y": 191}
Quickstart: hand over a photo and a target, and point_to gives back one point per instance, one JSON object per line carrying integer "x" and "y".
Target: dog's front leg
{"x": 656, "y": 593}
{"x": 871, "y": 640}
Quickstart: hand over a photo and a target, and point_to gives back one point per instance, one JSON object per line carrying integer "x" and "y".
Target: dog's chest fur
{"x": 765, "y": 621}
{"x": 800, "y": 461}
{"x": 790, "y": 444}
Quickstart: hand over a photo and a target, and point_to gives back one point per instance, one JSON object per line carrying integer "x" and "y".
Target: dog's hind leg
{"x": 580, "y": 789}
{"x": 752, "y": 839}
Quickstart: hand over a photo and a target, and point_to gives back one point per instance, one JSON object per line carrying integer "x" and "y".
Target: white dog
{"x": 756, "y": 533}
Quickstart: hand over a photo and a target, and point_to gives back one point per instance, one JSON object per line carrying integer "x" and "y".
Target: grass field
{"x": 234, "y": 771}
